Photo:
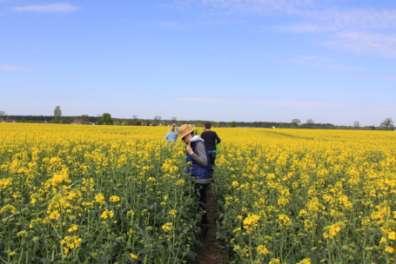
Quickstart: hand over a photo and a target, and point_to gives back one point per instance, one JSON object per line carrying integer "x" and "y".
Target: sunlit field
{"x": 107, "y": 194}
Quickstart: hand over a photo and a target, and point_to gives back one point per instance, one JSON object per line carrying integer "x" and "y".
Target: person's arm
{"x": 200, "y": 154}
{"x": 218, "y": 140}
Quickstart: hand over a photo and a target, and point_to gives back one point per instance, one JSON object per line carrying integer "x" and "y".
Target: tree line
{"x": 107, "y": 119}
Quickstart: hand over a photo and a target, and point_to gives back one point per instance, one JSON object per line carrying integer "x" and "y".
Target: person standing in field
{"x": 172, "y": 134}
{"x": 198, "y": 166}
{"x": 211, "y": 140}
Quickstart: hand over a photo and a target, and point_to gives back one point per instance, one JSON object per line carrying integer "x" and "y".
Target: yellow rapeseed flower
{"x": 172, "y": 212}
{"x": 167, "y": 227}
{"x": 115, "y": 198}
{"x": 73, "y": 228}
{"x": 262, "y": 250}
{"x": 390, "y": 250}
{"x": 251, "y": 221}
{"x": 54, "y": 215}
{"x": 70, "y": 243}
{"x": 305, "y": 261}
{"x": 133, "y": 257}
{"x": 99, "y": 198}
{"x": 107, "y": 214}
{"x": 4, "y": 183}
{"x": 332, "y": 231}
{"x": 284, "y": 220}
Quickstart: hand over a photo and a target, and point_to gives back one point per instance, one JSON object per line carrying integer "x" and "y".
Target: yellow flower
{"x": 4, "y": 183}
{"x": 282, "y": 201}
{"x": 107, "y": 214}
{"x": 168, "y": 167}
{"x": 274, "y": 261}
{"x": 99, "y": 198}
{"x": 313, "y": 205}
{"x": 54, "y": 215}
{"x": 305, "y": 261}
{"x": 392, "y": 235}
{"x": 8, "y": 208}
{"x": 332, "y": 231}
{"x": 70, "y": 243}
{"x": 172, "y": 212}
{"x": 284, "y": 220}
{"x": 115, "y": 198}
{"x": 133, "y": 257}
{"x": 235, "y": 184}
{"x": 390, "y": 250}
{"x": 251, "y": 221}
{"x": 180, "y": 182}
{"x": 60, "y": 177}
{"x": 73, "y": 228}
{"x": 262, "y": 250}
{"x": 167, "y": 227}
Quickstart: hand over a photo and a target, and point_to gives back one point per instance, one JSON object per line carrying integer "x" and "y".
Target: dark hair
{"x": 208, "y": 125}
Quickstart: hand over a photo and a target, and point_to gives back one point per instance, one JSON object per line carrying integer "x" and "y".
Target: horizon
{"x": 303, "y": 122}
{"x": 330, "y": 61}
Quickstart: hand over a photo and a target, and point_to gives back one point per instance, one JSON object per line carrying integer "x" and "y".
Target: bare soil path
{"x": 212, "y": 250}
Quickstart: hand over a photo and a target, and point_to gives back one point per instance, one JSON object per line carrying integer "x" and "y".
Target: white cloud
{"x": 363, "y": 31}
{"x": 261, "y": 5}
{"x": 48, "y": 8}
{"x": 332, "y": 20}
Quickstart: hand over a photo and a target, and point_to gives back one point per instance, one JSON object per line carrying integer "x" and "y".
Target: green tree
{"x": 387, "y": 124}
{"x": 57, "y": 114}
{"x": 106, "y": 119}
{"x": 310, "y": 122}
{"x": 2, "y": 115}
{"x": 296, "y": 122}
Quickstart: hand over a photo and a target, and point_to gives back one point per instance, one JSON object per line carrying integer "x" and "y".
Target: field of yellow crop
{"x": 107, "y": 194}
{"x": 308, "y": 196}
{"x": 93, "y": 195}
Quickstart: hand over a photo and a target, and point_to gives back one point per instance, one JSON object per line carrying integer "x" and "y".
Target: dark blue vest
{"x": 197, "y": 170}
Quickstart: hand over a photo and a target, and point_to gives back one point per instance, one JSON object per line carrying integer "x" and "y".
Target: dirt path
{"x": 212, "y": 252}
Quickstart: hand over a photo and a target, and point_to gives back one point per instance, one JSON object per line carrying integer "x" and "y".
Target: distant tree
{"x": 356, "y": 124}
{"x": 387, "y": 124}
{"x": 157, "y": 120}
{"x": 106, "y": 119}
{"x": 84, "y": 119}
{"x": 57, "y": 114}
{"x": 296, "y": 122}
{"x": 310, "y": 122}
{"x": 136, "y": 121}
{"x": 2, "y": 115}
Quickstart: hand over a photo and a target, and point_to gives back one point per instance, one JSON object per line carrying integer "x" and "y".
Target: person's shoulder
{"x": 208, "y": 132}
{"x": 205, "y": 133}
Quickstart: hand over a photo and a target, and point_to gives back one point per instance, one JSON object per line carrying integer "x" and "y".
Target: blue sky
{"x": 275, "y": 60}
